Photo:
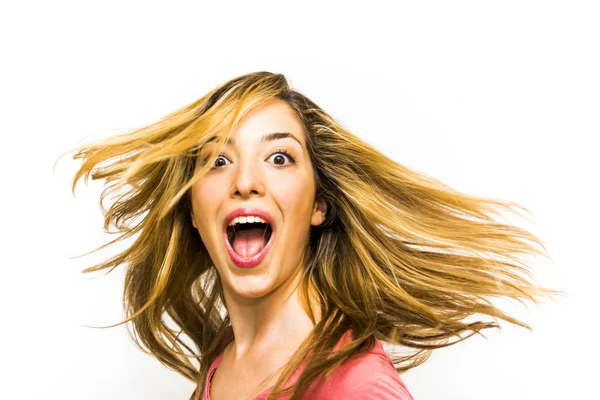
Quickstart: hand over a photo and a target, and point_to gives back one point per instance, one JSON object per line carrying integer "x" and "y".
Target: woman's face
{"x": 255, "y": 172}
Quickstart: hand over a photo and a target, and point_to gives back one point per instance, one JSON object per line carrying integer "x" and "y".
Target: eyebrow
{"x": 268, "y": 137}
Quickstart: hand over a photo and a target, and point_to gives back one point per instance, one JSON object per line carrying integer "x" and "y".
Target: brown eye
{"x": 279, "y": 158}
{"x": 220, "y": 161}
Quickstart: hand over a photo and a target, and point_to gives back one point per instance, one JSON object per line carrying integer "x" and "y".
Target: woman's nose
{"x": 248, "y": 179}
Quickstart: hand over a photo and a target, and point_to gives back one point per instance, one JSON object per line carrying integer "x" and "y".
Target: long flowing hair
{"x": 401, "y": 257}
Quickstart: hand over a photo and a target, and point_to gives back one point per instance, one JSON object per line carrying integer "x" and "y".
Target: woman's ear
{"x": 319, "y": 213}
{"x": 193, "y": 220}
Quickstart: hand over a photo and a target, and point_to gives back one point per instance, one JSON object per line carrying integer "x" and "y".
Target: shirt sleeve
{"x": 370, "y": 377}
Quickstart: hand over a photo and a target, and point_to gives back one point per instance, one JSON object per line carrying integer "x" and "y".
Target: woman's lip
{"x": 247, "y": 211}
{"x": 250, "y": 261}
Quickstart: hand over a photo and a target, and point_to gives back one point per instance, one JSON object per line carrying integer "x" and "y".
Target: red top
{"x": 369, "y": 376}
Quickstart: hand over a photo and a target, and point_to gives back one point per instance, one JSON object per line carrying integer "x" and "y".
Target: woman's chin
{"x": 251, "y": 286}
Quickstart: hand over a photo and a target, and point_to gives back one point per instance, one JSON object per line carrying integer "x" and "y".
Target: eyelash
{"x": 277, "y": 151}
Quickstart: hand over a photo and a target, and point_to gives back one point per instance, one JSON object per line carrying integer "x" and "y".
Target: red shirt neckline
{"x": 347, "y": 337}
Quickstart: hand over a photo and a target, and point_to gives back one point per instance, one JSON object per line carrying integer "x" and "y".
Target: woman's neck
{"x": 277, "y": 322}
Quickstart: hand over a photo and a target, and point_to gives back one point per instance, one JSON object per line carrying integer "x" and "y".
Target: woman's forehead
{"x": 270, "y": 122}
{"x": 265, "y": 138}
{"x": 276, "y": 116}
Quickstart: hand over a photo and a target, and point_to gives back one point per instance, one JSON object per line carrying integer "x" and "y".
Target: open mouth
{"x": 249, "y": 239}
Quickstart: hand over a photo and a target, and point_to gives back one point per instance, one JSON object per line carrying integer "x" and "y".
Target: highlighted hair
{"x": 400, "y": 257}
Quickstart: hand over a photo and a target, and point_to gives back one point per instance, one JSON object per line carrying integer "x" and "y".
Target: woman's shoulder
{"x": 371, "y": 375}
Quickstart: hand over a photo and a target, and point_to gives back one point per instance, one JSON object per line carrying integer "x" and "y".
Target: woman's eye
{"x": 220, "y": 161}
{"x": 279, "y": 156}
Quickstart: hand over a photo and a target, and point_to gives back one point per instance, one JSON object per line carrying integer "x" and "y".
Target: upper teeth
{"x": 246, "y": 219}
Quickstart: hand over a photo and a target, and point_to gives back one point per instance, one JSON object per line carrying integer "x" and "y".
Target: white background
{"x": 497, "y": 99}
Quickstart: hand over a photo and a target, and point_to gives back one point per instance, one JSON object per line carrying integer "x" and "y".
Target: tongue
{"x": 249, "y": 242}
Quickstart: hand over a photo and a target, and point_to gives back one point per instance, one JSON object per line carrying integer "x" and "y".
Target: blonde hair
{"x": 400, "y": 257}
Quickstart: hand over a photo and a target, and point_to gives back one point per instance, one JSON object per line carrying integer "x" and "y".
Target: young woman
{"x": 276, "y": 251}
